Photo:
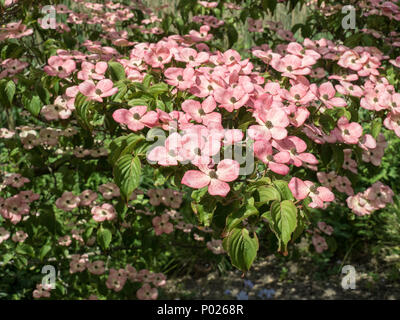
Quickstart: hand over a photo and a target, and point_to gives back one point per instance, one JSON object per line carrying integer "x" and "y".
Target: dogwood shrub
{"x": 129, "y": 132}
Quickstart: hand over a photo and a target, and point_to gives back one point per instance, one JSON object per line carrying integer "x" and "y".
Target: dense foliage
{"x": 139, "y": 141}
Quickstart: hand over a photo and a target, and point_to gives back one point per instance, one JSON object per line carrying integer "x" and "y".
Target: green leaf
{"x": 33, "y": 105}
{"x": 117, "y": 71}
{"x": 122, "y": 90}
{"x": 137, "y": 102}
{"x": 10, "y": 90}
{"x": 268, "y": 194}
{"x": 148, "y": 78}
{"x": 283, "y": 188}
{"x": 44, "y": 250}
{"x": 235, "y": 218}
{"x": 299, "y": 229}
{"x": 158, "y": 89}
{"x": 104, "y": 237}
{"x": 199, "y": 193}
{"x": 25, "y": 249}
{"x": 283, "y": 220}
{"x": 127, "y": 171}
{"x": 232, "y": 35}
{"x": 376, "y": 127}
{"x": 338, "y": 157}
{"x": 43, "y": 93}
{"x": 7, "y": 257}
{"x": 123, "y": 145}
{"x": 325, "y": 153}
{"x": 204, "y": 211}
{"x": 241, "y": 248}
{"x": 327, "y": 123}
{"x": 82, "y": 106}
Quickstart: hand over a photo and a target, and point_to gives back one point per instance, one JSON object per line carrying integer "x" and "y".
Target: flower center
{"x": 172, "y": 153}
{"x": 213, "y": 174}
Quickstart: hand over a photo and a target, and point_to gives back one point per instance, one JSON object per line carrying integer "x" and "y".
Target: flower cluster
{"x": 374, "y": 198}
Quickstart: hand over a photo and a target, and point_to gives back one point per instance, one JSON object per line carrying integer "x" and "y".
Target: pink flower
{"x": 202, "y": 35}
{"x": 263, "y": 151}
{"x": 360, "y": 205}
{"x": 68, "y": 201}
{"x": 131, "y": 272}
{"x": 327, "y": 229}
{"x": 104, "y": 212}
{"x": 294, "y": 147}
{"x": 104, "y": 88}
{"x": 96, "y": 267}
{"x": 56, "y": 111}
{"x": 216, "y": 180}
{"x": 326, "y": 93}
{"x": 379, "y": 195}
{"x": 87, "y": 197}
{"x": 349, "y": 132}
{"x": 206, "y": 4}
{"x": 319, "y": 243}
{"x": 231, "y": 98}
{"x": 41, "y": 291}
{"x": 302, "y": 189}
{"x": 19, "y": 236}
{"x": 146, "y": 292}
{"x": 161, "y": 225}
{"x": 159, "y": 279}
{"x": 4, "y": 234}
{"x": 15, "y": 180}
{"x": 64, "y": 241}
{"x": 348, "y": 162}
{"x": 136, "y": 118}
{"x": 327, "y": 179}
{"x": 343, "y": 184}
{"x": 352, "y": 60}
{"x": 291, "y": 66}
{"x": 145, "y": 275}
{"x": 255, "y": 25}
{"x": 158, "y": 56}
{"x": 116, "y": 280}
{"x": 392, "y": 122}
{"x": 59, "y": 67}
{"x": 396, "y": 62}
{"x": 170, "y": 153}
{"x": 28, "y": 196}
{"x": 191, "y": 57}
{"x": 90, "y": 71}
{"x": 273, "y": 124}
{"x": 232, "y": 136}
{"x": 299, "y": 94}
{"x": 179, "y": 77}
{"x": 109, "y": 190}
{"x": 202, "y": 113}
